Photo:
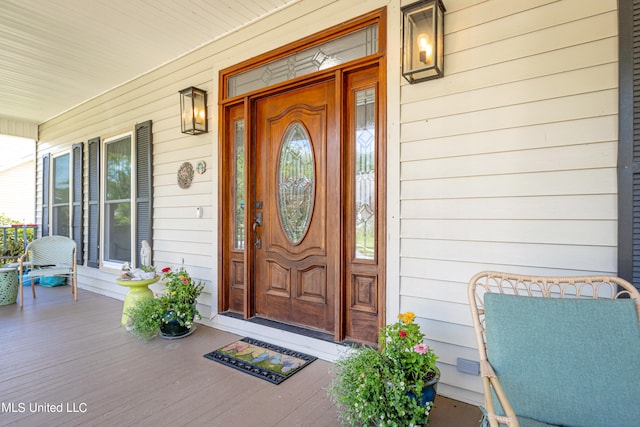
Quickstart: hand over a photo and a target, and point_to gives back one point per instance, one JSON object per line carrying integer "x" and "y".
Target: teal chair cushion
{"x": 570, "y": 362}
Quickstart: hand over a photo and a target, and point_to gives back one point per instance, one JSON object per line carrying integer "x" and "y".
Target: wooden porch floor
{"x": 76, "y": 357}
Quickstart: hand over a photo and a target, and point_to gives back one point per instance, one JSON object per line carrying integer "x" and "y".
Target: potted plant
{"x": 145, "y": 317}
{"x": 148, "y": 272}
{"x": 392, "y": 386}
{"x": 172, "y": 313}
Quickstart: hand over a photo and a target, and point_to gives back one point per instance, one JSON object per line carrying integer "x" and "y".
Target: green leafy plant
{"x": 148, "y": 268}
{"x": 180, "y": 295}
{"x": 145, "y": 318}
{"x": 6, "y": 221}
{"x": 12, "y": 248}
{"x": 372, "y": 387}
{"x": 178, "y": 302}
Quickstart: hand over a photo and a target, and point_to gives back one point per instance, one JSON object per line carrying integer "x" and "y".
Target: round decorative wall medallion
{"x": 185, "y": 175}
{"x": 202, "y": 167}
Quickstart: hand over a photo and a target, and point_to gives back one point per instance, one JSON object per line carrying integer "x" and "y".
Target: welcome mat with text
{"x": 260, "y": 359}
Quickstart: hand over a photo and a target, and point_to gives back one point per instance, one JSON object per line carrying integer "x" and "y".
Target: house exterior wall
{"x": 18, "y": 192}
{"x": 507, "y": 163}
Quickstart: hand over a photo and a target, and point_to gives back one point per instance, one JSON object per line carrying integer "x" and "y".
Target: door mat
{"x": 260, "y": 359}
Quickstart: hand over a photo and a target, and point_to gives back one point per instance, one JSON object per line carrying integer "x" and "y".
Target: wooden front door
{"x": 302, "y": 172}
{"x": 297, "y": 207}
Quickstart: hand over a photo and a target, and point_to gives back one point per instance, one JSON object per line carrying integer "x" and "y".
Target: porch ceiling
{"x": 56, "y": 54}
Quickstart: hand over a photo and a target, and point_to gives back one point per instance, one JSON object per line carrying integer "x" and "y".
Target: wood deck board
{"x": 58, "y": 351}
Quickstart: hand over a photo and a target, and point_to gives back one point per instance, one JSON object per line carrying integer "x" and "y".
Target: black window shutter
{"x": 144, "y": 185}
{"x": 76, "y": 201}
{"x": 634, "y": 164}
{"x": 629, "y": 142}
{"x": 93, "y": 174}
{"x": 45, "y": 194}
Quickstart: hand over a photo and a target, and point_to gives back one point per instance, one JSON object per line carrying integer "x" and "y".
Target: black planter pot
{"x": 172, "y": 328}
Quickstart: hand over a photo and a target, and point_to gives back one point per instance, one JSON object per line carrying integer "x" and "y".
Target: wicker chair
{"x": 49, "y": 256}
{"x": 547, "y": 343}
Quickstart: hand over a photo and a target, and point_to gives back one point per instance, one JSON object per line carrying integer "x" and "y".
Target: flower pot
{"x": 428, "y": 391}
{"x": 171, "y": 328}
{"x": 9, "y": 286}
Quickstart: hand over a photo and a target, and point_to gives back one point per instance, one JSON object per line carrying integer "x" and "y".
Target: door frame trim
{"x": 247, "y": 102}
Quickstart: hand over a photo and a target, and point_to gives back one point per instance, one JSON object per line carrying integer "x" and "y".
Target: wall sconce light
{"x": 423, "y": 40}
{"x": 193, "y": 110}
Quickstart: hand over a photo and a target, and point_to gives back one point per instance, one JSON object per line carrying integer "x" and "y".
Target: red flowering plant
{"x": 179, "y": 298}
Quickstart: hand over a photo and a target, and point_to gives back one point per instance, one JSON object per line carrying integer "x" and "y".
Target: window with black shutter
{"x": 102, "y": 215}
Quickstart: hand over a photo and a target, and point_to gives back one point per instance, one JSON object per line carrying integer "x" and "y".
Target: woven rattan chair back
{"x": 592, "y": 287}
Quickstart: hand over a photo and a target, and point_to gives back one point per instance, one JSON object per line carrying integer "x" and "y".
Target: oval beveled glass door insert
{"x": 296, "y": 182}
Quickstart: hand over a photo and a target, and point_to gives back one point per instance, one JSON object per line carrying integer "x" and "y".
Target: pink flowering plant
{"x": 403, "y": 344}
{"x": 385, "y": 387}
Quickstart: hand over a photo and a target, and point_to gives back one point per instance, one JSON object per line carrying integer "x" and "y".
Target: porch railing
{"x": 14, "y": 240}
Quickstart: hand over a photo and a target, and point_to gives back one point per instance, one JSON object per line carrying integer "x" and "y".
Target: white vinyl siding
{"x": 509, "y": 162}
{"x": 18, "y": 192}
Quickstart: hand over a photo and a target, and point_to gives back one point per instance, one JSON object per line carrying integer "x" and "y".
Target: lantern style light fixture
{"x": 193, "y": 110}
{"x": 423, "y": 40}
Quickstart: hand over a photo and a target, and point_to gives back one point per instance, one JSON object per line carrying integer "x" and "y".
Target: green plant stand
{"x": 138, "y": 289}
{"x": 8, "y": 285}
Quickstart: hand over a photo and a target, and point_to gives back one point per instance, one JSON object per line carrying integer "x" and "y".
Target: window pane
{"x": 61, "y": 220}
{"x": 238, "y": 153}
{"x": 117, "y": 235}
{"x": 60, "y": 209}
{"x": 61, "y": 179}
{"x": 117, "y": 203}
{"x": 365, "y": 175}
{"x": 357, "y": 44}
{"x": 118, "y": 169}
{"x": 296, "y": 182}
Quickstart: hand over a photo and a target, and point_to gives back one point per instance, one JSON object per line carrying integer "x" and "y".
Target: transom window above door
{"x": 355, "y": 45}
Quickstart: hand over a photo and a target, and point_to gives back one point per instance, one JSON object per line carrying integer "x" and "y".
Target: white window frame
{"x": 52, "y": 195}
{"x": 111, "y": 265}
